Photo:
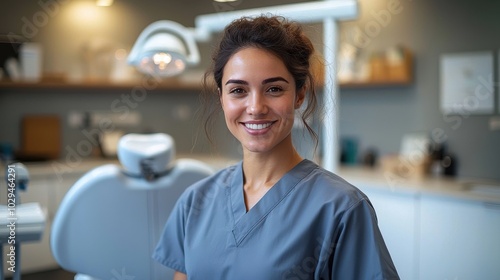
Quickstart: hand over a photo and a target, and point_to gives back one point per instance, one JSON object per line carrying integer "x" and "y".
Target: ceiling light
{"x": 104, "y": 3}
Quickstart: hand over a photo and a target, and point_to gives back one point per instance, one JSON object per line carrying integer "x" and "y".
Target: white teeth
{"x": 257, "y": 126}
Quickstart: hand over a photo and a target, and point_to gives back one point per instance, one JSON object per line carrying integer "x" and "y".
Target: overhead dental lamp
{"x": 158, "y": 51}
{"x": 164, "y": 49}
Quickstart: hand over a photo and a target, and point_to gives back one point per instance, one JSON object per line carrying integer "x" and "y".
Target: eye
{"x": 237, "y": 91}
{"x": 275, "y": 89}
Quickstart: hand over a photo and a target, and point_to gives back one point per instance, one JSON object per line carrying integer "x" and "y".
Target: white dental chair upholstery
{"x": 109, "y": 222}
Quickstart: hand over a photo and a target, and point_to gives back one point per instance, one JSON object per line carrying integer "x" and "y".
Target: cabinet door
{"x": 459, "y": 239}
{"x": 61, "y": 186}
{"x": 396, "y": 212}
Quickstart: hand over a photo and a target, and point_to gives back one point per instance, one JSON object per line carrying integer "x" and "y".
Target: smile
{"x": 258, "y": 126}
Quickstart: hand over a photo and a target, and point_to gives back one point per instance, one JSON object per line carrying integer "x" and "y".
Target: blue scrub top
{"x": 311, "y": 224}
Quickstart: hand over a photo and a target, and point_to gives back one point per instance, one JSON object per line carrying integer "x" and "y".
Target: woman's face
{"x": 259, "y": 99}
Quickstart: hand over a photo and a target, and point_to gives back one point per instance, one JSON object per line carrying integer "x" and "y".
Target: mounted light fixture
{"x": 158, "y": 51}
{"x": 164, "y": 49}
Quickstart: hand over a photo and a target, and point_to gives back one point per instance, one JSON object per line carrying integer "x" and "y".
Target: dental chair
{"x": 108, "y": 224}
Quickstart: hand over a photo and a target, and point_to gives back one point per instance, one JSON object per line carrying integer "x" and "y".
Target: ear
{"x": 299, "y": 98}
{"x": 220, "y": 95}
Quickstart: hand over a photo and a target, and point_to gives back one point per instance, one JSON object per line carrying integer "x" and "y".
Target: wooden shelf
{"x": 374, "y": 84}
{"x": 169, "y": 84}
{"x": 383, "y": 74}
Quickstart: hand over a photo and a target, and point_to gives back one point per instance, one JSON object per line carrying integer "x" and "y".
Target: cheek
{"x": 287, "y": 112}
{"x": 231, "y": 109}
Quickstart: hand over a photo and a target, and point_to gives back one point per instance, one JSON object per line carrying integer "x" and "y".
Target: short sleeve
{"x": 170, "y": 249}
{"x": 360, "y": 251}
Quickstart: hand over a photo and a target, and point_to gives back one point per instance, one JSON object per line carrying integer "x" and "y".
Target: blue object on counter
{"x": 6, "y": 152}
{"x": 349, "y": 150}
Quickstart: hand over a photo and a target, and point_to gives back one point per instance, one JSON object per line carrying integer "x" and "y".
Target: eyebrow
{"x": 266, "y": 81}
{"x": 233, "y": 81}
{"x": 274, "y": 79}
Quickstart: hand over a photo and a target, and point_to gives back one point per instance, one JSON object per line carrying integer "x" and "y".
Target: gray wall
{"x": 379, "y": 117}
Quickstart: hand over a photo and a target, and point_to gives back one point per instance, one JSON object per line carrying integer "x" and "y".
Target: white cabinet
{"x": 438, "y": 237}
{"x": 459, "y": 239}
{"x": 396, "y": 214}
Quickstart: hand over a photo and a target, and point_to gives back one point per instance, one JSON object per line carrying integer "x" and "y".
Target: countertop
{"x": 438, "y": 186}
{"x": 358, "y": 176}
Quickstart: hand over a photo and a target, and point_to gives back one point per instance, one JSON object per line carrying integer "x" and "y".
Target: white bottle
{"x": 30, "y": 55}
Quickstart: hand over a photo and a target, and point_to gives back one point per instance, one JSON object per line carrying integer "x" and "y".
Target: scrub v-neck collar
{"x": 244, "y": 222}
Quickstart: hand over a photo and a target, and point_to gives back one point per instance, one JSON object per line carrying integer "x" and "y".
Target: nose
{"x": 257, "y": 104}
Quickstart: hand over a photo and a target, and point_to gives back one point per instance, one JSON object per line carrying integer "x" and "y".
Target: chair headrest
{"x": 146, "y": 155}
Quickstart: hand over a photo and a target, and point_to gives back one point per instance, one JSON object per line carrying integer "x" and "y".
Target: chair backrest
{"x": 109, "y": 222}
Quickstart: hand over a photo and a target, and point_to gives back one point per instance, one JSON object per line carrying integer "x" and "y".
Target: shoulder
{"x": 328, "y": 188}
{"x": 210, "y": 186}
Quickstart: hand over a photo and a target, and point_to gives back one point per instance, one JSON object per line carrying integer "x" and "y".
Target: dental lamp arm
{"x": 301, "y": 12}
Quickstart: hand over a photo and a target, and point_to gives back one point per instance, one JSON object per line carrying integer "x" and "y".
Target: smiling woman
{"x": 285, "y": 42}
{"x": 274, "y": 215}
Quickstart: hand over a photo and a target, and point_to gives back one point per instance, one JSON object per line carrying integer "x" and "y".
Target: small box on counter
{"x": 405, "y": 167}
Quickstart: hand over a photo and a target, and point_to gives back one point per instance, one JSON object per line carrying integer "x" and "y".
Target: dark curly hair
{"x": 275, "y": 34}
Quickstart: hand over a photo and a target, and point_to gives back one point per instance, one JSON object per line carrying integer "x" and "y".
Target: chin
{"x": 257, "y": 148}
{"x": 262, "y": 145}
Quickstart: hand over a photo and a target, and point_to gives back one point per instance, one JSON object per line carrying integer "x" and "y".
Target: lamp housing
{"x": 164, "y": 49}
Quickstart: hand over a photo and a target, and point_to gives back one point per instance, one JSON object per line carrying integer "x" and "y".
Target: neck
{"x": 265, "y": 169}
